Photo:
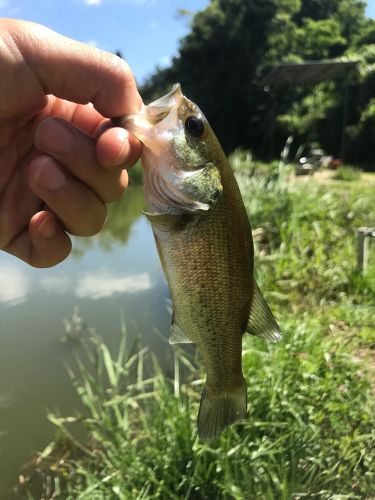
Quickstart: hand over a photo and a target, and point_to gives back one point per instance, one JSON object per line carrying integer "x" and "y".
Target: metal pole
{"x": 344, "y": 120}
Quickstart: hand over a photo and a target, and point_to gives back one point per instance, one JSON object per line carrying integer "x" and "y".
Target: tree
{"x": 217, "y": 67}
{"x": 231, "y": 44}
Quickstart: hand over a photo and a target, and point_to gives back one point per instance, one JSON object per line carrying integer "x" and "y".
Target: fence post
{"x": 363, "y": 243}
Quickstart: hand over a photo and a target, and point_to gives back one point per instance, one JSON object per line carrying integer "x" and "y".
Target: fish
{"x": 204, "y": 241}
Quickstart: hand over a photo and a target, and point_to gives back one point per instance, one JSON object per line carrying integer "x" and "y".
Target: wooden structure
{"x": 363, "y": 237}
{"x": 310, "y": 73}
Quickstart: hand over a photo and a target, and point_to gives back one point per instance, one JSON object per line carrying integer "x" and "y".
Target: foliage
{"x": 136, "y": 174}
{"x": 305, "y": 113}
{"x": 320, "y": 39}
{"x": 217, "y": 66}
{"x": 361, "y": 129}
{"x": 305, "y": 237}
{"x": 310, "y": 429}
{"x": 232, "y": 45}
{"x": 347, "y": 173}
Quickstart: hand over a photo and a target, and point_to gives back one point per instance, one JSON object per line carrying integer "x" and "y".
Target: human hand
{"x": 60, "y": 163}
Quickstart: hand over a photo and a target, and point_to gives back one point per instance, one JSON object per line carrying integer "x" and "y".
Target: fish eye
{"x": 194, "y": 126}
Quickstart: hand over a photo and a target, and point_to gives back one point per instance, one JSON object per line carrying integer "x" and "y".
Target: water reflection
{"x": 56, "y": 283}
{"x": 113, "y": 276}
{"x": 104, "y": 284}
{"x": 14, "y": 285}
{"x": 121, "y": 217}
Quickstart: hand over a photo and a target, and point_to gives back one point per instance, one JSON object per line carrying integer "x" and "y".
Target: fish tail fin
{"x": 219, "y": 410}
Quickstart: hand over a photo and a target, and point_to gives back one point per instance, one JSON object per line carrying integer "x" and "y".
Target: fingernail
{"x": 54, "y": 135}
{"x": 122, "y": 134}
{"x": 48, "y": 175}
{"x": 48, "y": 229}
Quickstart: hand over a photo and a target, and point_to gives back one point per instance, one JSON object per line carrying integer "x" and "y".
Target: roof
{"x": 307, "y": 72}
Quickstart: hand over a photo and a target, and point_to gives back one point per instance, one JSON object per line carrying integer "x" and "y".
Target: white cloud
{"x": 92, "y": 2}
{"x": 104, "y": 284}
{"x": 57, "y": 283}
{"x": 14, "y": 285}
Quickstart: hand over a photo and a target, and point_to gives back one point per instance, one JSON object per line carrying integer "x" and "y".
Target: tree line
{"x": 232, "y": 44}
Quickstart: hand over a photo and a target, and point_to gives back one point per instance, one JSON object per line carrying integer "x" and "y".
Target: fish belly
{"x": 209, "y": 269}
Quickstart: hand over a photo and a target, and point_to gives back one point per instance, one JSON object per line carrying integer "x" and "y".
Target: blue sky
{"x": 371, "y": 8}
{"x": 145, "y": 31}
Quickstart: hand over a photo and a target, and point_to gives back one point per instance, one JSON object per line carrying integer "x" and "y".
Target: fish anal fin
{"x": 178, "y": 336}
{"x": 261, "y": 321}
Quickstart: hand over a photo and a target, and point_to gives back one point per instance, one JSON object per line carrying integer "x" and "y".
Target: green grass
{"x": 136, "y": 174}
{"x": 305, "y": 238}
{"x": 310, "y": 429}
{"x": 347, "y": 173}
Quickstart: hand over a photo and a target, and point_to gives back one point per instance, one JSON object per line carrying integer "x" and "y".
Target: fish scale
{"x": 214, "y": 306}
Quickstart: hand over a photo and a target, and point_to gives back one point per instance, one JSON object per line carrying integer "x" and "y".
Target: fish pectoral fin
{"x": 261, "y": 321}
{"x": 171, "y": 222}
{"x": 178, "y": 336}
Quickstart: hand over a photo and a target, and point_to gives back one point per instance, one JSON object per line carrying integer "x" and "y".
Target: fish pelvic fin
{"x": 218, "y": 410}
{"x": 261, "y": 321}
{"x": 172, "y": 223}
{"x": 178, "y": 336}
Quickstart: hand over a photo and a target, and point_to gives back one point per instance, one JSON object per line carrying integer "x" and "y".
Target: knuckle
{"x": 91, "y": 225}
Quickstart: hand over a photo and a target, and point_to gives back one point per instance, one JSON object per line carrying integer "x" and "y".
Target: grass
{"x": 136, "y": 174}
{"x": 347, "y": 173}
{"x": 310, "y": 430}
{"x": 305, "y": 237}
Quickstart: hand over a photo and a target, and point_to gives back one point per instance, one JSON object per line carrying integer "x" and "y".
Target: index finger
{"x": 75, "y": 71}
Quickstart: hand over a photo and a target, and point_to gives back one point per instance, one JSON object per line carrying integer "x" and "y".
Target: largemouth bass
{"x": 204, "y": 241}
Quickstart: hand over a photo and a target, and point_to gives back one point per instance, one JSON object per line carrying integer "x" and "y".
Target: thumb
{"x": 75, "y": 71}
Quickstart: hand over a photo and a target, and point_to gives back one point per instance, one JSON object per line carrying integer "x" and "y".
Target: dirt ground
{"x": 324, "y": 176}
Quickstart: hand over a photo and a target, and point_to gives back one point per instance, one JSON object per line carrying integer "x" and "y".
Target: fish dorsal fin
{"x": 178, "y": 336}
{"x": 171, "y": 222}
{"x": 262, "y": 322}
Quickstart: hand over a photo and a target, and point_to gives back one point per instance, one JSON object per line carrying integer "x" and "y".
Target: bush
{"x": 347, "y": 173}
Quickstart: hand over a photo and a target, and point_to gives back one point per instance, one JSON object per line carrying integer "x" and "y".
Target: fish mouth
{"x": 157, "y": 110}
{"x": 153, "y": 113}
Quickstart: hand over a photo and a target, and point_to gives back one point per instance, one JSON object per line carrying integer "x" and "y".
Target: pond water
{"x": 112, "y": 276}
